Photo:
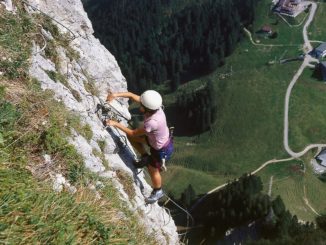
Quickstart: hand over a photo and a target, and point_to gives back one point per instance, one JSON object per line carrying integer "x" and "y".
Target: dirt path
{"x": 255, "y": 171}
{"x": 291, "y": 26}
{"x": 305, "y": 199}
{"x": 267, "y": 45}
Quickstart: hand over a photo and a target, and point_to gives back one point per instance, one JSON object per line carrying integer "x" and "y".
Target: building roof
{"x": 295, "y": 1}
{"x": 318, "y": 169}
{"x": 322, "y": 157}
{"x": 321, "y": 48}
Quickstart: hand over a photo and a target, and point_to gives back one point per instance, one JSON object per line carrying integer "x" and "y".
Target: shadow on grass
{"x": 317, "y": 73}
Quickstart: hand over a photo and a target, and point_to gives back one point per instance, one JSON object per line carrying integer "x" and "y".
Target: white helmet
{"x": 151, "y": 99}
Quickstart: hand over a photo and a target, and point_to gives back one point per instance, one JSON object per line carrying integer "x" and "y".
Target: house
{"x": 320, "y": 51}
{"x": 295, "y": 2}
{"x": 287, "y": 7}
{"x": 318, "y": 163}
{"x": 321, "y": 157}
{"x": 266, "y": 29}
{"x": 283, "y": 7}
{"x": 317, "y": 168}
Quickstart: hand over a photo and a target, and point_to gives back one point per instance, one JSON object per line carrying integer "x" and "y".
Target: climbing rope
{"x": 44, "y": 46}
{"x": 185, "y": 211}
{"x": 189, "y": 216}
{"x": 163, "y": 216}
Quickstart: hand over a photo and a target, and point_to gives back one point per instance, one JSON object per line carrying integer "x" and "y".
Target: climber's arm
{"x": 128, "y": 131}
{"x": 129, "y": 95}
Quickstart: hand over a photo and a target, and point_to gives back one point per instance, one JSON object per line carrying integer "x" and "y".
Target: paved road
{"x": 306, "y": 63}
{"x": 305, "y": 27}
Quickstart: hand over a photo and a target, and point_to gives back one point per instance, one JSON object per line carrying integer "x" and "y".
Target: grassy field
{"x": 307, "y": 114}
{"x": 250, "y": 117}
{"x": 315, "y": 191}
{"x": 289, "y": 181}
{"x": 249, "y": 130}
{"x": 183, "y": 175}
{"x": 286, "y": 37}
{"x": 317, "y": 29}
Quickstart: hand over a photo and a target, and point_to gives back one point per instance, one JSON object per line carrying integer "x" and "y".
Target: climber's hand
{"x": 110, "y": 97}
{"x": 111, "y": 123}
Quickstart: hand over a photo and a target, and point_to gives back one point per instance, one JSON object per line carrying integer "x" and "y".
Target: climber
{"x": 154, "y": 133}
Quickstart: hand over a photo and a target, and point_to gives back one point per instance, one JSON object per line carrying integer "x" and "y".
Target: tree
{"x": 212, "y": 61}
{"x": 278, "y": 206}
{"x": 175, "y": 81}
{"x": 321, "y": 222}
{"x": 188, "y": 196}
{"x": 192, "y": 40}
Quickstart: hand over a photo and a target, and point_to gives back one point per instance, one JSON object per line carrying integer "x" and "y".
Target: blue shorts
{"x": 164, "y": 153}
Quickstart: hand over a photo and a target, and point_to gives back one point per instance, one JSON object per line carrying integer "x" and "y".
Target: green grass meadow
{"x": 307, "y": 115}
{"x": 249, "y": 126}
{"x": 317, "y": 28}
{"x": 186, "y": 176}
{"x": 289, "y": 180}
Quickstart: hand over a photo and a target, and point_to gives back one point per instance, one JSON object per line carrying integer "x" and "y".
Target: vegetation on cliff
{"x": 33, "y": 124}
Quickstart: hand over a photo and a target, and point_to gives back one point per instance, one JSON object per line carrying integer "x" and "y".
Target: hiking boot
{"x": 155, "y": 196}
{"x": 143, "y": 162}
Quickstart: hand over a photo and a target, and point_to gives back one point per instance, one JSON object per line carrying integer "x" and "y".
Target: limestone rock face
{"x": 94, "y": 68}
{"x": 8, "y": 5}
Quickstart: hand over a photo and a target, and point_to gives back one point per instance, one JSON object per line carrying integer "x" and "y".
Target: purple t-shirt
{"x": 156, "y": 129}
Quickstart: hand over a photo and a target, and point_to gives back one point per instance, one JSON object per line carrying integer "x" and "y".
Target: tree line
{"x": 159, "y": 41}
{"x": 242, "y": 202}
{"x": 196, "y": 109}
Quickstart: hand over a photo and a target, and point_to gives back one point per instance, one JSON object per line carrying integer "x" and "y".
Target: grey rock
{"x": 98, "y": 67}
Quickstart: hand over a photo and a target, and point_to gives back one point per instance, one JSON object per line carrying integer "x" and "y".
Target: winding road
{"x": 307, "y": 47}
{"x": 306, "y": 63}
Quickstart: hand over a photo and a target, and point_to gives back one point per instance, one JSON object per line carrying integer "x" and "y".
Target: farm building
{"x": 321, "y": 158}
{"x": 320, "y": 51}
{"x": 287, "y": 7}
{"x": 317, "y": 168}
{"x": 266, "y": 29}
{"x": 318, "y": 163}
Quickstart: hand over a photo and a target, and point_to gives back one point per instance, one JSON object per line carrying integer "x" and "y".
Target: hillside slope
{"x": 54, "y": 73}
